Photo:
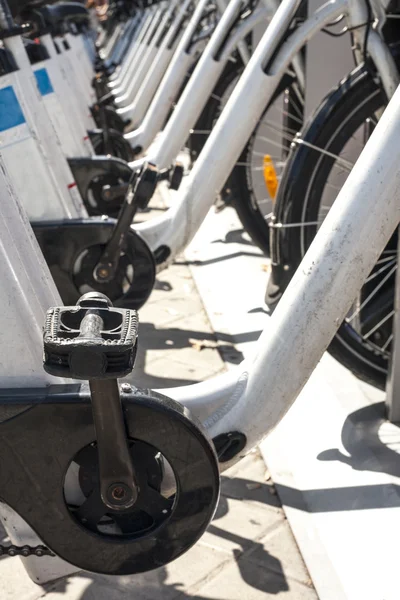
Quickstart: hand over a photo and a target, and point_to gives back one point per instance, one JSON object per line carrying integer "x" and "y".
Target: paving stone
{"x": 247, "y": 581}
{"x": 192, "y": 569}
{"x": 159, "y": 312}
{"x": 246, "y": 481}
{"x": 15, "y": 583}
{"x": 164, "y": 367}
{"x": 238, "y": 524}
{"x": 280, "y": 543}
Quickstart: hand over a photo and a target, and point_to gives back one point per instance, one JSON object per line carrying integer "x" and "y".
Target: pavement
{"x": 248, "y": 551}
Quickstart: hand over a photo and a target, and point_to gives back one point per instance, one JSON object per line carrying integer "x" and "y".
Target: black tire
{"x": 299, "y": 199}
{"x": 119, "y": 146}
{"x": 238, "y": 190}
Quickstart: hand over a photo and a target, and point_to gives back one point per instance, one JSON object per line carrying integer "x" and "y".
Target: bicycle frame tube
{"x": 169, "y": 87}
{"x": 137, "y": 109}
{"x": 147, "y": 60}
{"x": 115, "y": 79}
{"x": 76, "y": 41}
{"x": 117, "y": 83}
{"x": 80, "y": 72}
{"x": 242, "y": 46}
{"x": 26, "y": 292}
{"x": 142, "y": 47}
{"x": 177, "y": 227}
{"x": 123, "y": 43}
{"x": 81, "y": 79}
{"x": 200, "y": 86}
{"x": 377, "y": 49}
{"x": 108, "y": 48}
{"x": 344, "y": 251}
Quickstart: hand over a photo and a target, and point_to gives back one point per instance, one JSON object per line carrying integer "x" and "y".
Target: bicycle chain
{"x": 25, "y": 551}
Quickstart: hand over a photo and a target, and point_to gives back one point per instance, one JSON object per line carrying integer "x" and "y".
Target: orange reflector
{"x": 270, "y": 177}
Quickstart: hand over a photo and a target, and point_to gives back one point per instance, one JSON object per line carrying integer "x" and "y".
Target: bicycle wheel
{"x": 251, "y": 187}
{"x": 118, "y": 146}
{"x": 323, "y": 156}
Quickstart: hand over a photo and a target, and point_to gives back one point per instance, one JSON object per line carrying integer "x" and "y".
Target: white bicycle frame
{"x": 168, "y": 89}
{"x": 137, "y": 109}
{"x": 78, "y": 46}
{"x": 176, "y": 228}
{"x": 108, "y": 45}
{"x": 125, "y": 40}
{"x": 116, "y": 78}
{"x": 144, "y": 61}
{"x": 254, "y": 397}
{"x": 199, "y": 87}
{"x": 120, "y": 81}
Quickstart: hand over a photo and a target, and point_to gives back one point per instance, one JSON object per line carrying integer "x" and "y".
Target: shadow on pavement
{"x": 175, "y": 338}
{"x": 236, "y": 236}
{"x": 154, "y": 585}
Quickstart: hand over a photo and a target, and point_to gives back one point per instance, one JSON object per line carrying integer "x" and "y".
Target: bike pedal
{"x": 71, "y": 348}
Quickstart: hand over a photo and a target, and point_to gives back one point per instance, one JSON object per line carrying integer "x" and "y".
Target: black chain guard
{"x": 80, "y": 241}
{"x": 43, "y": 430}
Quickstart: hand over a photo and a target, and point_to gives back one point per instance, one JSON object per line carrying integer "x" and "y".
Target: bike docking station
{"x": 96, "y": 474}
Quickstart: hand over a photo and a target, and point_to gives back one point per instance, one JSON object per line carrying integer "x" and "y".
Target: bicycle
{"x": 237, "y": 409}
{"x": 324, "y": 153}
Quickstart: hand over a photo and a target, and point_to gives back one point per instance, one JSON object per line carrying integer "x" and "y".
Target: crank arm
{"x": 90, "y": 357}
{"x": 141, "y": 188}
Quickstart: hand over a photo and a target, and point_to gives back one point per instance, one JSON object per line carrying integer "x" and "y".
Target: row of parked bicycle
{"x": 91, "y": 122}
{"x": 163, "y": 77}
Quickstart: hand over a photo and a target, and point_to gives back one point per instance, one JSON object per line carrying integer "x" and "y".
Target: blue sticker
{"x": 43, "y": 82}
{"x": 11, "y": 113}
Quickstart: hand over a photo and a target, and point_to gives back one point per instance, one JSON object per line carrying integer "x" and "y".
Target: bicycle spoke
{"x": 381, "y": 270}
{"x": 272, "y": 142}
{"x": 373, "y": 294}
{"x": 276, "y": 159}
{"x": 297, "y": 117}
{"x": 378, "y": 325}
{"x": 344, "y": 163}
{"x": 290, "y": 133}
{"x": 383, "y": 260}
{"x": 388, "y": 342}
{"x": 287, "y": 136}
{"x": 289, "y": 225}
